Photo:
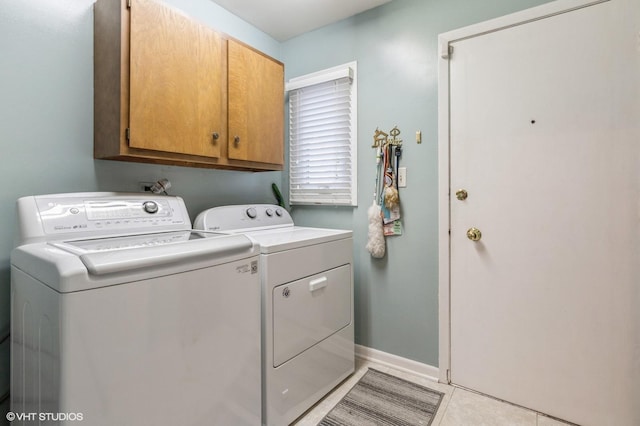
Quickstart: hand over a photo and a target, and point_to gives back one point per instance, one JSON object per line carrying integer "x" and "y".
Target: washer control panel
{"x": 72, "y": 215}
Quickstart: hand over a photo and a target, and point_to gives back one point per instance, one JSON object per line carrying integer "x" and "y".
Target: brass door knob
{"x": 474, "y": 234}
{"x": 461, "y": 194}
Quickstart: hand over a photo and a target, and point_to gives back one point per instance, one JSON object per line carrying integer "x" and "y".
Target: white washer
{"x": 121, "y": 315}
{"x": 307, "y": 305}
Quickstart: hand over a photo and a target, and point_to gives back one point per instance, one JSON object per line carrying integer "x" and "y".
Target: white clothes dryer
{"x": 122, "y": 315}
{"x": 307, "y": 305}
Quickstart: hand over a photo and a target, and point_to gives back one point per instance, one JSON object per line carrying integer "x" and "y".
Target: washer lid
{"x": 75, "y": 265}
{"x": 288, "y": 238}
{"x": 119, "y": 254}
{"x": 90, "y": 245}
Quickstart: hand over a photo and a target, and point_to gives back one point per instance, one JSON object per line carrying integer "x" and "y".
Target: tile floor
{"x": 459, "y": 407}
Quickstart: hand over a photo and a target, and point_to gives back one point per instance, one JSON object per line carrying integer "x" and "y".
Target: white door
{"x": 544, "y": 139}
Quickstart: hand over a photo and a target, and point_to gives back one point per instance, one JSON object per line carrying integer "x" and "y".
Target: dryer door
{"x": 309, "y": 310}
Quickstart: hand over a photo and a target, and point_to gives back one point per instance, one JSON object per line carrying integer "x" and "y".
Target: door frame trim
{"x": 444, "y": 208}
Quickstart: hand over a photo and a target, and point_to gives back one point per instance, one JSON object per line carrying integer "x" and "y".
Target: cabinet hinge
{"x": 128, "y": 4}
{"x": 446, "y": 51}
{"x": 127, "y": 134}
{"x": 448, "y": 376}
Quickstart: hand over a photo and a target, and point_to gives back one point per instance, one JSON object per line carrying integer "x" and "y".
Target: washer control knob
{"x": 269, "y": 212}
{"x": 150, "y": 207}
{"x": 279, "y": 212}
{"x": 251, "y": 212}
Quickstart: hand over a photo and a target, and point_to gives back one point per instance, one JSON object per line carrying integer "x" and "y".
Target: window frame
{"x": 333, "y": 74}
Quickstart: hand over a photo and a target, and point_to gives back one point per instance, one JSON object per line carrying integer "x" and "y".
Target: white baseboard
{"x": 398, "y": 362}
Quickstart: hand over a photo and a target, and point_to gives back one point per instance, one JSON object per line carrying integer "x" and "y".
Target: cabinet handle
{"x": 236, "y": 140}
{"x": 215, "y": 136}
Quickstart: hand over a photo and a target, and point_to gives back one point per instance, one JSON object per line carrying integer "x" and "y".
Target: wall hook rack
{"x": 381, "y": 138}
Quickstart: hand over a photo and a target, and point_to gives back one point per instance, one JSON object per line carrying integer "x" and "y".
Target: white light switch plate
{"x": 402, "y": 177}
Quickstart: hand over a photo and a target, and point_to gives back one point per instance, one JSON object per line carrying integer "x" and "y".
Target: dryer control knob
{"x": 251, "y": 212}
{"x": 150, "y": 207}
{"x": 279, "y": 212}
{"x": 269, "y": 212}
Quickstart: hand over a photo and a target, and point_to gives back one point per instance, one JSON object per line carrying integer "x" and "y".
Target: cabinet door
{"x": 256, "y": 106}
{"x": 177, "y": 83}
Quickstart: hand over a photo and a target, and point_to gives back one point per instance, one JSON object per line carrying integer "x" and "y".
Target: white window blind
{"x": 322, "y": 137}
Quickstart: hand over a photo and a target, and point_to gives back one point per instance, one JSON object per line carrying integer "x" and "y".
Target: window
{"x": 323, "y": 137}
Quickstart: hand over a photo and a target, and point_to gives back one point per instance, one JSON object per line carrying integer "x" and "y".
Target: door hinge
{"x": 446, "y": 51}
{"x": 128, "y": 4}
{"x": 448, "y": 376}
{"x": 127, "y": 134}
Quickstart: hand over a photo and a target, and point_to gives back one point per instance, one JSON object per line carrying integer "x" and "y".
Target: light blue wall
{"x": 46, "y": 122}
{"x": 396, "y": 298}
{"x": 46, "y": 134}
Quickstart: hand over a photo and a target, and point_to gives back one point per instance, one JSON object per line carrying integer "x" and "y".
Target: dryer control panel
{"x": 243, "y": 218}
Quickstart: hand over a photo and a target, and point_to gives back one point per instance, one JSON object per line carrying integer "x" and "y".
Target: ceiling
{"x": 284, "y": 19}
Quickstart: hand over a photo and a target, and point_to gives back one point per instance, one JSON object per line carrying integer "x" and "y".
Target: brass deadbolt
{"x": 474, "y": 234}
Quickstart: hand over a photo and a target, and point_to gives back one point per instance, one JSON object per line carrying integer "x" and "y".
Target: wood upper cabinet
{"x": 171, "y": 90}
{"x": 177, "y": 82}
{"x": 256, "y": 86}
